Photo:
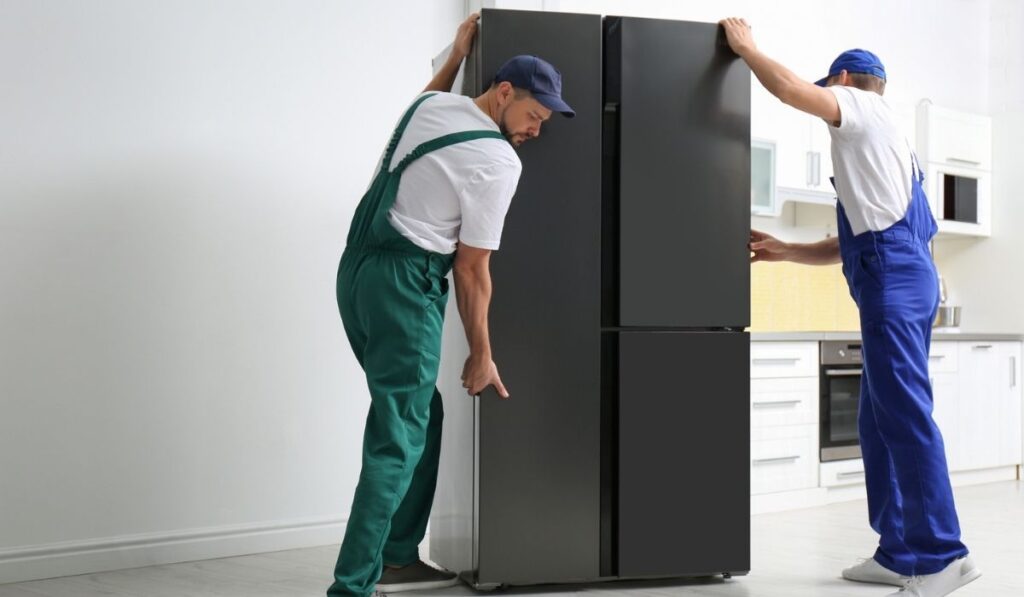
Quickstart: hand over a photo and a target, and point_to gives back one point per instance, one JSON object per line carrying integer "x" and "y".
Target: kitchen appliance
{"x": 947, "y": 316}
{"x": 841, "y": 372}
{"x": 621, "y": 292}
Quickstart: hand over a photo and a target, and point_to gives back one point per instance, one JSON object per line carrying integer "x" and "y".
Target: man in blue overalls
{"x": 884, "y": 224}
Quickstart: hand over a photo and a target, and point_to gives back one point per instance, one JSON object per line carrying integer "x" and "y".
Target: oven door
{"x": 840, "y": 402}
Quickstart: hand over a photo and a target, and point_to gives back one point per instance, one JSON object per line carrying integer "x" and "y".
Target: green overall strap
{"x": 396, "y": 136}
{"x": 370, "y": 203}
{"x": 379, "y": 219}
{"x": 442, "y": 142}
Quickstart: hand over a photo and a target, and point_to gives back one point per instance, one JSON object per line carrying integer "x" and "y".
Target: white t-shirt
{"x": 871, "y": 159}
{"x": 459, "y": 193}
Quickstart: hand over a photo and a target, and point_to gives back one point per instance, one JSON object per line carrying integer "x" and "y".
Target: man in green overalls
{"x": 437, "y": 203}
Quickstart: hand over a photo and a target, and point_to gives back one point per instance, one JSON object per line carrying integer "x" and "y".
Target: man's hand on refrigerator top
{"x": 464, "y": 36}
{"x": 737, "y": 33}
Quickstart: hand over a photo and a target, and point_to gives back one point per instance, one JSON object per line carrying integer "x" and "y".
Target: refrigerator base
{"x": 470, "y": 579}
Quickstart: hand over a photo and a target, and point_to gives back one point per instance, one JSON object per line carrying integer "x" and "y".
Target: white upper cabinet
{"x": 955, "y": 150}
{"x": 803, "y": 159}
{"x": 954, "y": 138}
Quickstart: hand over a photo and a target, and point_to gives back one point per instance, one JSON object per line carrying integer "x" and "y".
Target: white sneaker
{"x": 870, "y": 570}
{"x": 954, "y": 576}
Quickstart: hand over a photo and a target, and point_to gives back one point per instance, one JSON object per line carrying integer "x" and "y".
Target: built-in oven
{"x": 841, "y": 370}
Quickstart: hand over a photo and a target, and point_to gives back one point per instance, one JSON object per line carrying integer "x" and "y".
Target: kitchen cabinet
{"x": 979, "y": 397}
{"x": 952, "y": 137}
{"x": 762, "y": 178}
{"x": 783, "y": 459}
{"x": 977, "y": 393}
{"x": 783, "y": 359}
{"x": 1008, "y": 355}
{"x": 803, "y": 159}
{"x": 977, "y": 389}
{"x": 946, "y": 393}
{"x": 955, "y": 150}
{"x": 783, "y": 417}
{"x": 943, "y": 370}
{"x": 819, "y": 157}
{"x": 842, "y": 473}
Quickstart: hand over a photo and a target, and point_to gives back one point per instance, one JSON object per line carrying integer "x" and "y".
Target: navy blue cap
{"x": 855, "y": 61}
{"x": 539, "y": 78}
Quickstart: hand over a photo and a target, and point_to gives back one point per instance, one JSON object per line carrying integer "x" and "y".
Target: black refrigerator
{"x": 621, "y": 296}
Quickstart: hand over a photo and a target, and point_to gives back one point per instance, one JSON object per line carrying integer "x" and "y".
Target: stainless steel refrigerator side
{"x": 453, "y": 521}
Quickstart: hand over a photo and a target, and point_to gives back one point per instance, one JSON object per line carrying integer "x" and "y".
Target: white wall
{"x": 986, "y": 276}
{"x": 176, "y": 183}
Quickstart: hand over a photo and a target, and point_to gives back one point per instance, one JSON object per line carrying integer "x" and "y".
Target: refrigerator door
{"x": 683, "y": 174}
{"x": 684, "y": 449}
{"x": 539, "y": 459}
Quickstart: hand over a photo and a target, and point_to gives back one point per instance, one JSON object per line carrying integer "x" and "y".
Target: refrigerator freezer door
{"x": 684, "y": 449}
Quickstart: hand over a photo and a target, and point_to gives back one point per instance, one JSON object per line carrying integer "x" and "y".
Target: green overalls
{"x": 392, "y": 296}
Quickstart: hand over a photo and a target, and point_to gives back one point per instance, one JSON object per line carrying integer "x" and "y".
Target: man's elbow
{"x": 788, "y": 93}
{"x": 467, "y": 270}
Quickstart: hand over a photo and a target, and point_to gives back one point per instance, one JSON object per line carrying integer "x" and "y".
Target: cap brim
{"x": 821, "y": 82}
{"x": 555, "y": 104}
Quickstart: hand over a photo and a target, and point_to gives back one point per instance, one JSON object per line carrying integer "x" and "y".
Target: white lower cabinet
{"x": 946, "y": 393}
{"x": 783, "y": 418}
{"x": 1009, "y": 403}
{"x": 783, "y": 459}
{"x": 989, "y": 405}
{"x": 977, "y": 390}
{"x": 842, "y": 473}
{"x": 783, "y": 402}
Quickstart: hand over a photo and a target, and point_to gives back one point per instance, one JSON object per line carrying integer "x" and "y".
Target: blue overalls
{"x": 893, "y": 281}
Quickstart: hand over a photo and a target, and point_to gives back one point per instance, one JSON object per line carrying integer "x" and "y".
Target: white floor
{"x": 795, "y": 554}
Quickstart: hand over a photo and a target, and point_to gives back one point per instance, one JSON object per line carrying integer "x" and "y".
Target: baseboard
{"x": 809, "y": 498}
{"x": 36, "y": 562}
{"x": 980, "y": 477}
{"x": 783, "y": 501}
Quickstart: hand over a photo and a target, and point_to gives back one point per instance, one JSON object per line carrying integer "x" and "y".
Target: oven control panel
{"x": 834, "y": 352}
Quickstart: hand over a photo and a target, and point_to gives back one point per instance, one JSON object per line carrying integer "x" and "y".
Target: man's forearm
{"x": 473, "y": 294}
{"x": 825, "y": 252}
{"x": 776, "y": 78}
{"x": 445, "y": 77}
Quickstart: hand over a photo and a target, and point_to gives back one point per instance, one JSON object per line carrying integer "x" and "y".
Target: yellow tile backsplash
{"x": 789, "y": 297}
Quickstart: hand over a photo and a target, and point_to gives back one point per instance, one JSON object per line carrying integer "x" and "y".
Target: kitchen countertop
{"x": 855, "y": 336}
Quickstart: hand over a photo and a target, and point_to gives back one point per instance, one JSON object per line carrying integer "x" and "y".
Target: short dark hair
{"x": 518, "y": 92}
{"x": 867, "y": 82}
